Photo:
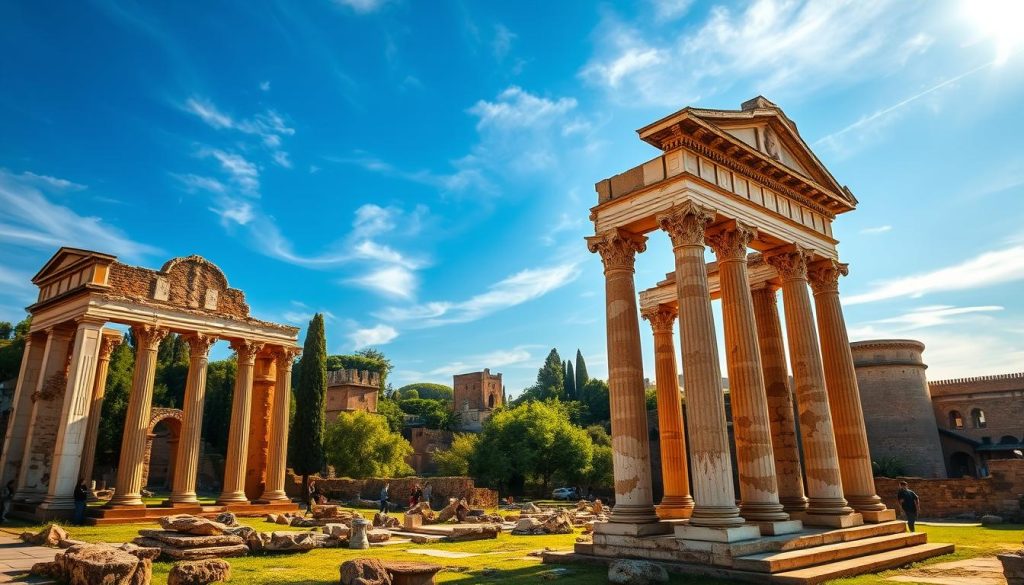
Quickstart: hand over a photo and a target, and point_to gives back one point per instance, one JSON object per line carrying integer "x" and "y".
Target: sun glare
{"x": 1001, "y": 21}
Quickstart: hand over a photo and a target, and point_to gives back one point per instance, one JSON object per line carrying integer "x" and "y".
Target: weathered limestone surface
{"x": 365, "y": 572}
{"x": 199, "y": 572}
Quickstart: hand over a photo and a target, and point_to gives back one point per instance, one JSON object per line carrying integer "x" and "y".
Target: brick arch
{"x": 172, "y": 418}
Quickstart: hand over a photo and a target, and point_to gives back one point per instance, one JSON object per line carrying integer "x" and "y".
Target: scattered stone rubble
{"x": 52, "y": 535}
{"x": 535, "y": 520}
{"x": 630, "y": 572}
{"x": 1013, "y": 567}
{"x": 89, "y": 564}
{"x": 201, "y": 572}
{"x": 186, "y": 537}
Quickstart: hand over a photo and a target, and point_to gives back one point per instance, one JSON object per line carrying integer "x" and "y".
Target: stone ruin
{"x": 1013, "y": 567}
{"x": 470, "y": 523}
{"x": 533, "y": 520}
{"x": 89, "y": 564}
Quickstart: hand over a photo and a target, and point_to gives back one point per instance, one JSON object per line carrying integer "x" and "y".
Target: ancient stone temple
{"x": 51, "y": 440}
{"x": 744, "y": 184}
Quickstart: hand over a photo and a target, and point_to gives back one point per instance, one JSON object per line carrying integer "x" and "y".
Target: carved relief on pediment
{"x": 771, "y": 144}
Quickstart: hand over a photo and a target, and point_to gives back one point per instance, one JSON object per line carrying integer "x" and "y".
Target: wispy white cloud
{"x": 937, "y": 315}
{"x": 377, "y": 335}
{"x": 264, "y": 86}
{"x": 502, "y": 42}
{"x": 268, "y": 126}
{"x": 516, "y": 108}
{"x": 986, "y": 269}
{"x": 670, "y": 10}
{"x": 362, "y": 6}
{"x": 772, "y": 45}
{"x": 394, "y": 281}
{"x": 495, "y": 359}
{"x": 244, "y": 173}
{"x": 31, "y": 219}
{"x": 517, "y": 289}
{"x": 881, "y": 229}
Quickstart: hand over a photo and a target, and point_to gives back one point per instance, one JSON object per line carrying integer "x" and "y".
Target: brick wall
{"x": 343, "y": 488}
{"x": 1001, "y": 493}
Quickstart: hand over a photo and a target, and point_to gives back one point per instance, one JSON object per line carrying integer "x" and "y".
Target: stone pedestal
{"x": 717, "y": 534}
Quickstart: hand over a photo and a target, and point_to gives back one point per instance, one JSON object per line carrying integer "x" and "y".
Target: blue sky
{"x": 421, "y": 172}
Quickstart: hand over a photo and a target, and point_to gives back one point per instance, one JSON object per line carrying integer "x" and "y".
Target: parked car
{"x": 564, "y": 493}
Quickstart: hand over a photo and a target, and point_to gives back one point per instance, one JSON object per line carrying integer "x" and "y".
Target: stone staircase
{"x": 811, "y": 556}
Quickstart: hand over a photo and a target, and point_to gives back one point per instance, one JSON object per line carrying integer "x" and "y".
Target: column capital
{"x": 246, "y": 350}
{"x": 791, "y": 263}
{"x": 107, "y": 346}
{"x": 285, "y": 356}
{"x": 685, "y": 223}
{"x": 618, "y": 248}
{"x": 199, "y": 343}
{"x": 662, "y": 317}
{"x": 89, "y": 320}
{"x": 148, "y": 336}
{"x": 824, "y": 275}
{"x": 730, "y": 244}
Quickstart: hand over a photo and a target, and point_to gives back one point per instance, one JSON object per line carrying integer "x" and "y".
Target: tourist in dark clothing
{"x": 909, "y": 503}
{"x": 417, "y": 494}
{"x": 81, "y": 497}
{"x": 8, "y": 501}
{"x": 385, "y": 494}
{"x": 310, "y": 497}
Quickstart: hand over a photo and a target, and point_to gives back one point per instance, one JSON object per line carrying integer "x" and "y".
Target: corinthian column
{"x": 278, "y": 455}
{"x": 780, "y": 400}
{"x": 186, "y": 464}
{"x": 713, "y": 494}
{"x": 111, "y": 339}
{"x": 826, "y": 504}
{"x": 844, "y": 395}
{"x": 634, "y": 503}
{"x": 759, "y": 492}
{"x": 238, "y": 435}
{"x": 136, "y": 424}
{"x": 676, "y": 502}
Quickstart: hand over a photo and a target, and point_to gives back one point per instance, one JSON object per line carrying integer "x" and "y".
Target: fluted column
{"x": 843, "y": 393}
{"x": 238, "y": 435}
{"x": 821, "y": 462}
{"x": 186, "y": 463}
{"x": 759, "y": 492}
{"x": 713, "y": 494}
{"x": 136, "y": 424}
{"x": 21, "y": 414}
{"x": 110, "y": 341}
{"x": 46, "y": 399}
{"x": 73, "y": 420}
{"x": 780, "y": 400}
{"x": 676, "y": 503}
{"x": 634, "y": 502}
{"x": 278, "y": 456}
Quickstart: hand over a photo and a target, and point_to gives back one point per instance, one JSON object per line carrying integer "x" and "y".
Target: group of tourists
{"x": 419, "y": 494}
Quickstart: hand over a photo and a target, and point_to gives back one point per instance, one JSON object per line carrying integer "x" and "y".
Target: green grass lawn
{"x": 507, "y": 556}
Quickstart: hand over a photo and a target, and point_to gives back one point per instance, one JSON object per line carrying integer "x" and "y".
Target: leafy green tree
{"x": 6, "y": 330}
{"x": 599, "y": 436}
{"x": 306, "y": 440}
{"x": 532, "y": 440}
{"x": 600, "y": 474}
{"x": 455, "y": 460}
{"x": 220, "y": 390}
{"x": 390, "y": 410}
{"x": 581, "y": 372}
{"x": 594, "y": 396}
{"x": 429, "y": 390}
{"x": 570, "y": 381}
{"x": 408, "y": 394}
{"x": 12, "y": 348}
{"x": 115, "y": 403}
{"x": 435, "y": 414}
{"x": 360, "y": 444}
{"x": 651, "y": 398}
{"x": 550, "y": 380}
{"x": 171, "y": 372}
{"x": 365, "y": 359}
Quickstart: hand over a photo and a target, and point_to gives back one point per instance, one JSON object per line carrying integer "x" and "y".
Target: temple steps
{"x": 777, "y": 562}
{"x": 860, "y": 565}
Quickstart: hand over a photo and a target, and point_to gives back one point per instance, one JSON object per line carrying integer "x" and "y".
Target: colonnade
{"x": 839, "y": 488}
{"x": 59, "y": 400}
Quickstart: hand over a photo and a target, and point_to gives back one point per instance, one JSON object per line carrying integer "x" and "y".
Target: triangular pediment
{"x": 759, "y": 125}
{"x": 67, "y": 258}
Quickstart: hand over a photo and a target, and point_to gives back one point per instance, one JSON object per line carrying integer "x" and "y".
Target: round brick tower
{"x": 897, "y": 405}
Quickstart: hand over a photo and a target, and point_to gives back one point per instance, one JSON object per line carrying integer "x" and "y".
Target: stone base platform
{"x": 807, "y": 557}
{"x": 142, "y": 514}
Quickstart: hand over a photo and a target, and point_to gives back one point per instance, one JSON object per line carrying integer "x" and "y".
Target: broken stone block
{"x": 199, "y": 572}
{"x": 630, "y": 572}
{"x": 49, "y": 536}
{"x": 192, "y": 525}
{"x": 365, "y": 572}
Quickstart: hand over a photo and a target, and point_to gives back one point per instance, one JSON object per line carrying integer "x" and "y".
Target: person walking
{"x": 428, "y": 491}
{"x": 81, "y": 497}
{"x": 908, "y": 501}
{"x": 310, "y": 496}
{"x": 385, "y": 493}
{"x": 8, "y": 501}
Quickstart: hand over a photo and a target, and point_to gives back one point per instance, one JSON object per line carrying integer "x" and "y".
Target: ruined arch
{"x": 162, "y": 439}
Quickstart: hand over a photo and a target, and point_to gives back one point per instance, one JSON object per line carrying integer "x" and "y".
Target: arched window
{"x": 956, "y": 420}
{"x": 490, "y": 401}
{"x": 978, "y": 418}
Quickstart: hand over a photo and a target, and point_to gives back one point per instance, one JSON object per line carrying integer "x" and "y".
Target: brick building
{"x": 351, "y": 390}
{"x": 476, "y": 395}
{"x": 945, "y": 428}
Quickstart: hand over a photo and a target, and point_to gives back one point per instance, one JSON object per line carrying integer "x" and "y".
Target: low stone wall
{"x": 343, "y": 488}
{"x": 1002, "y": 493}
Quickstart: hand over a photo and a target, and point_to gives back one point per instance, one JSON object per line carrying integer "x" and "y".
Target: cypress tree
{"x": 307, "y": 434}
{"x": 581, "y": 372}
{"x": 570, "y": 381}
{"x": 551, "y": 377}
